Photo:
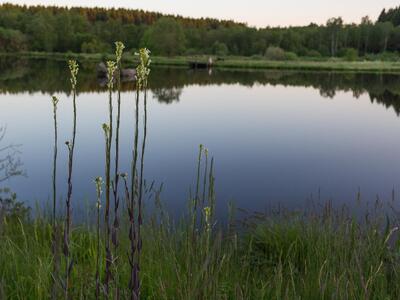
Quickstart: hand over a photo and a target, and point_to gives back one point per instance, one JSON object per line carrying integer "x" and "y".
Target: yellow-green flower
{"x": 111, "y": 67}
{"x": 143, "y": 70}
{"x": 74, "y": 69}
{"x": 119, "y": 48}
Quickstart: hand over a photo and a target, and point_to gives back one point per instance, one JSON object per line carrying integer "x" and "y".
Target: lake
{"x": 277, "y": 137}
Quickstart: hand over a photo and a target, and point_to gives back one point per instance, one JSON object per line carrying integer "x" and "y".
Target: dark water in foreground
{"x": 277, "y": 137}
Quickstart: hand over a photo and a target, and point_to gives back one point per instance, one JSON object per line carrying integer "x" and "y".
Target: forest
{"x": 94, "y": 30}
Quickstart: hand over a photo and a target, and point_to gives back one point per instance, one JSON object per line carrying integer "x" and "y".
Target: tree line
{"x": 94, "y": 30}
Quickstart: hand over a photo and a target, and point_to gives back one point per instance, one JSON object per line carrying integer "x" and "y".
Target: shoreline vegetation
{"x": 93, "y": 30}
{"x": 319, "y": 253}
{"x": 234, "y": 62}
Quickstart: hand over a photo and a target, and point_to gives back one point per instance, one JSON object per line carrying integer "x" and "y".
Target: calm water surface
{"x": 277, "y": 137}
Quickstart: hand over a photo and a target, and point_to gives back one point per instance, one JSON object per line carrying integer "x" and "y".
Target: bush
{"x": 385, "y": 56}
{"x": 291, "y": 56}
{"x": 191, "y": 52}
{"x": 313, "y": 53}
{"x": 301, "y": 51}
{"x": 257, "y": 57}
{"x": 349, "y": 54}
{"x": 275, "y": 53}
{"x": 95, "y": 46}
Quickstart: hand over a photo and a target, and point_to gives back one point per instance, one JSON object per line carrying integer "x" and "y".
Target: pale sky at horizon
{"x": 258, "y": 13}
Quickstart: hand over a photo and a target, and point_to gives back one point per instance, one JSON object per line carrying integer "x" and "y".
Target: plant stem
{"x": 134, "y": 286}
{"x": 107, "y": 209}
{"x": 67, "y": 231}
{"x": 56, "y": 257}
{"x": 115, "y": 185}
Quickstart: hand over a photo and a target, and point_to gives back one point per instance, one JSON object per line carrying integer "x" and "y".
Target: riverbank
{"x": 232, "y": 62}
{"x": 287, "y": 256}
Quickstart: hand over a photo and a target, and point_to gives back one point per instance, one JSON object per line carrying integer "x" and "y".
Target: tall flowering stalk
{"x": 131, "y": 209}
{"x": 99, "y": 183}
{"x": 142, "y": 74}
{"x": 108, "y": 129}
{"x": 54, "y": 101}
{"x": 74, "y": 68}
{"x": 118, "y": 53}
{"x": 55, "y": 235}
{"x": 143, "y": 69}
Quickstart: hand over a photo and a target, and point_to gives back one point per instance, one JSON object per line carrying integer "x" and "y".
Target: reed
{"x": 74, "y": 68}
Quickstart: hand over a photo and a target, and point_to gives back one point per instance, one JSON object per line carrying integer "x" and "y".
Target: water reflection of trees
{"x": 10, "y": 162}
{"x": 167, "y": 95}
{"x": 10, "y": 166}
{"x": 50, "y": 76}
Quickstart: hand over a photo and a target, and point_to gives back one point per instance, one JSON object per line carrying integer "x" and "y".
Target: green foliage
{"x": 334, "y": 27}
{"x": 349, "y": 54}
{"x": 220, "y": 49}
{"x": 275, "y": 53}
{"x": 91, "y": 30}
{"x": 165, "y": 37}
{"x": 385, "y": 56}
{"x": 392, "y": 16}
{"x": 40, "y": 30}
{"x": 191, "y": 52}
{"x": 11, "y": 207}
{"x": 313, "y": 53}
{"x": 12, "y": 40}
{"x": 291, "y": 56}
{"x": 271, "y": 257}
{"x": 95, "y": 46}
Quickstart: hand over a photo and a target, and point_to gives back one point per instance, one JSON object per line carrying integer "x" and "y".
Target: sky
{"x": 259, "y": 13}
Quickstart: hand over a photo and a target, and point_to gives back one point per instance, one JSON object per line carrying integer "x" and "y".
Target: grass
{"x": 322, "y": 256}
{"x": 322, "y": 64}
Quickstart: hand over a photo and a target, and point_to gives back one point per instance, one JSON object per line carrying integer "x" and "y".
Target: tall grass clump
{"x": 74, "y": 68}
{"x": 319, "y": 253}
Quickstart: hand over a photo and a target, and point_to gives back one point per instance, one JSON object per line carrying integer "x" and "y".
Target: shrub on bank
{"x": 274, "y": 53}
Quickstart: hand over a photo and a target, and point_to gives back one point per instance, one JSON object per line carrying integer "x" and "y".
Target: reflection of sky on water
{"x": 271, "y": 144}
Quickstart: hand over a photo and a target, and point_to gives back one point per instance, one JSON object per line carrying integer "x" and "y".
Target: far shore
{"x": 234, "y": 62}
